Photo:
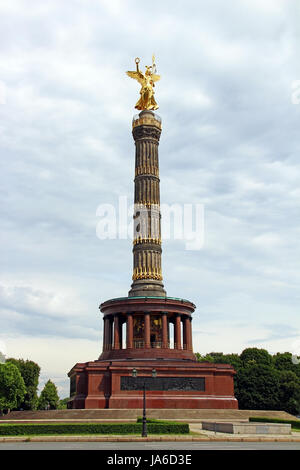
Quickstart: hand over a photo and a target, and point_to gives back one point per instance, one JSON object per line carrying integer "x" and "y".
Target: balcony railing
{"x": 155, "y": 344}
{"x": 141, "y": 345}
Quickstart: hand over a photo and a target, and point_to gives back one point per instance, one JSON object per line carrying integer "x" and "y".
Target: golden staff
{"x": 153, "y": 64}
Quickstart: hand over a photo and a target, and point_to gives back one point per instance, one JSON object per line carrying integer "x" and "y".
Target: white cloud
{"x": 40, "y": 299}
{"x": 267, "y": 240}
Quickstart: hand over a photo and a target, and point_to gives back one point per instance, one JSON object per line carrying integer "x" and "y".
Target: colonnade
{"x": 113, "y": 331}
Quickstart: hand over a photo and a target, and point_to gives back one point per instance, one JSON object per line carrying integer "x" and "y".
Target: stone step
{"x": 125, "y": 414}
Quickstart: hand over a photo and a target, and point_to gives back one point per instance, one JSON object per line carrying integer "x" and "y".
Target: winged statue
{"x": 147, "y": 81}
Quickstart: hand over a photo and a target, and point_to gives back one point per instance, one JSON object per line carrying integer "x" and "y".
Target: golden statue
{"x": 147, "y": 80}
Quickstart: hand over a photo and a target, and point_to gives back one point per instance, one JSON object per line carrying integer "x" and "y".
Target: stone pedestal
{"x": 178, "y": 385}
{"x": 180, "y": 382}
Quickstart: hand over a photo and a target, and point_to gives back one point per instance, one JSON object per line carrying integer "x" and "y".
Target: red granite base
{"x": 98, "y": 385}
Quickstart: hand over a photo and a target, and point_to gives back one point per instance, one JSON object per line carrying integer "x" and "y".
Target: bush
{"x": 166, "y": 427}
{"x": 154, "y": 420}
{"x": 90, "y": 428}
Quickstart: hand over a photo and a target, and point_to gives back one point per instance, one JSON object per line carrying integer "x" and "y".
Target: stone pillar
{"x": 109, "y": 332}
{"x": 185, "y": 333}
{"x": 105, "y": 333}
{"x": 121, "y": 333}
{"x": 177, "y": 332}
{"x": 189, "y": 334}
{"x": 129, "y": 332}
{"x": 147, "y": 330}
{"x": 165, "y": 330}
{"x": 116, "y": 332}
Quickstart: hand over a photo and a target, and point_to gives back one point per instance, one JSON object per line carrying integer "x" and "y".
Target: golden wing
{"x": 155, "y": 77}
{"x": 137, "y": 76}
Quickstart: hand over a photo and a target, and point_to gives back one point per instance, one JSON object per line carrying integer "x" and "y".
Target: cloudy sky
{"x": 230, "y": 141}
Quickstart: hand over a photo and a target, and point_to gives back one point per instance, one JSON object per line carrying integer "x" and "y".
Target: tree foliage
{"x": 262, "y": 381}
{"x": 49, "y": 398}
{"x": 257, "y": 387}
{"x": 289, "y": 391}
{"x": 62, "y": 405}
{"x": 12, "y": 387}
{"x": 256, "y": 356}
{"x": 30, "y": 372}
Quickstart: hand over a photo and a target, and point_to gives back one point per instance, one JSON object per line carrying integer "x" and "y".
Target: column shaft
{"x": 105, "y": 333}
{"x": 116, "y": 332}
{"x": 147, "y": 329}
{"x": 165, "y": 330}
{"x": 185, "y": 333}
{"x": 109, "y": 332}
{"x": 177, "y": 331}
{"x": 129, "y": 332}
{"x": 190, "y": 335}
{"x": 121, "y": 333}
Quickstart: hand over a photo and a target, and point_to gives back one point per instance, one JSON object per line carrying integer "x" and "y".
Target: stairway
{"x": 187, "y": 415}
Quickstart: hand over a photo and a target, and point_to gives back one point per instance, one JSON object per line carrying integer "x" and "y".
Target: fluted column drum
{"x": 147, "y": 272}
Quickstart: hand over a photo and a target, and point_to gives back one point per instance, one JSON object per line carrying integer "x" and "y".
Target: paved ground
{"x": 294, "y": 436}
{"x": 150, "y": 446}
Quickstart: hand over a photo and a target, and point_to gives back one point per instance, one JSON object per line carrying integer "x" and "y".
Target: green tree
{"x": 220, "y": 358}
{"x": 12, "y": 387}
{"x": 256, "y": 356}
{"x": 30, "y": 372}
{"x": 234, "y": 360}
{"x": 289, "y": 392}
{"x": 62, "y": 405}
{"x": 257, "y": 387}
{"x": 49, "y": 398}
{"x": 283, "y": 361}
{"x": 262, "y": 381}
{"x": 206, "y": 358}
